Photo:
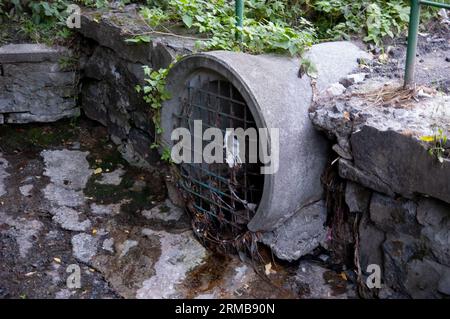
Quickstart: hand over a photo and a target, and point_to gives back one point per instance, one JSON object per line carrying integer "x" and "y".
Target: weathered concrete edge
{"x": 31, "y": 53}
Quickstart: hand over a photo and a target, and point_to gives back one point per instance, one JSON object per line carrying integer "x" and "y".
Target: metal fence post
{"x": 239, "y": 16}
{"x": 413, "y": 30}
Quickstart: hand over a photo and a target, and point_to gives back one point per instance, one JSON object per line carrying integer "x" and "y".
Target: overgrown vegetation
{"x": 263, "y": 31}
{"x": 438, "y": 143}
{"x": 282, "y": 25}
{"x": 155, "y": 93}
{"x": 279, "y": 26}
{"x": 38, "y": 21}
{"x": 269, "y": 25}
{"x": 372, "y": 19}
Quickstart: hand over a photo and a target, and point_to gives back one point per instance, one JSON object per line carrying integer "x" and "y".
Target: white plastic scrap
{"x": 232, "y": 155}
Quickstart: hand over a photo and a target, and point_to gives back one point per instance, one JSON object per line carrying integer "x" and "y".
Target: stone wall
{"x": 398, "y": 191}
{"x": 112, "y": 67}
{"x": 36, "y": 84}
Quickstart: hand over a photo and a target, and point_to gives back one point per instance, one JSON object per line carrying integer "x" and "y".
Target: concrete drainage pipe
{"x": 232, "y": 90}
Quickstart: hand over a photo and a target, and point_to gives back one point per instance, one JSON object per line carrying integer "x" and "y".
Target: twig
{"x": 161, "y": 32}
{"x": 167, "y": 33}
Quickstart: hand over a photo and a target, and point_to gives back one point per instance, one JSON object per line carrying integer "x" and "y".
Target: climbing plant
{"x": 270, "y": 25}
{"x": 155, "y": 93}
{"x": 438, "y": 143}
{"x": 283, "y": 25}
{"x": 263, "y": 31}
{"x": 373, "y": 19}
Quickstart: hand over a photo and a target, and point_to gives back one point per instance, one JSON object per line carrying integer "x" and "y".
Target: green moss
{"x": 164, "y": 209}
{"x": 127, "y": 181}
{"x": 109, "y": 194}
{"x": 108, "y": 159}
{"x": 68, "y": 63}
{"x": 422, "y": 250}
{"x": 105, "y": 194}
{"x": 35, "y": 137}
{"x": 139, "y": 201}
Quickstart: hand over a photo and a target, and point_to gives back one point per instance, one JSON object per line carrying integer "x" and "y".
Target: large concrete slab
{"x": 334, "y": 60}
{"x": 37, "y": 84}
{"x": 29, "y": 52}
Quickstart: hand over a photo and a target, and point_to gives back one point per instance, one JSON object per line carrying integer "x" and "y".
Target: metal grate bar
{"x": 221, "y": 192}
{"x": 186, "y": 188}
{"x": 217, "y": 95}
{"x": 191, "y": 121}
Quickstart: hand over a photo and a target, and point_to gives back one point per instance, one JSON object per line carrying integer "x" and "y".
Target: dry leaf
{"x": 347, "y": 116}
{"x": 383, "y": 58}
{"x": 268, "y": 269}
{"x": 98, "y": 171}
{"x": 94, "y": 231}
{"x": 343, "y": 276}
{"x": 56, "y": 259}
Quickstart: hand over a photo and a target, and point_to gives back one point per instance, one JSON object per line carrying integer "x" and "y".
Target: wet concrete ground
{"x": 68, "y": 198}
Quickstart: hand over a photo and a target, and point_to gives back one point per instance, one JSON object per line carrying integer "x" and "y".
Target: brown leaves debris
{"x": 397, "y": 96}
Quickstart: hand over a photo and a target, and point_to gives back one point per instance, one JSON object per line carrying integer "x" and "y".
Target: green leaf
{"x": 199, "y": 18}
{"x": 187, "y": 19}
{"x": 139, "y": 39}
{"x": 132, "y": 40}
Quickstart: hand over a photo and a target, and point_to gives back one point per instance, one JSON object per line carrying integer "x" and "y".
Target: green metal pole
{"x": 436, "y": 4}
{"x": 239, "y": 16}
{"x": 413, "y": 30}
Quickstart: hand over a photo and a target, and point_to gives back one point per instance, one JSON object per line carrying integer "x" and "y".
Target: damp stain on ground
{"x": 68, "y": 198}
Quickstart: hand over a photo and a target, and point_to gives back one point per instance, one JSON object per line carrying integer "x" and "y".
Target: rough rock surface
{"x": 69, "y": 172}
{"x": 34, "y": 86}
{"x": 120, "y": 25}
{"x": 435, "y": 219}
{"x": 113, "y": 67}
{"x": 84, "y": 247}
{"x": 112, "y": 178}
{"x": 68, "y": 169}
{"x": 22, "y": 230}
{"x": 334, "y": 69}
{"x": 410, "y": 241}
{"x": 3, "y": 175}
{"x": 180, "y": 253}
{"x": 313, "y": 276}
{"x": 300, "y": 234}
{"x": 25, "y": 190}
{"x": 69, "y": 219}
{"x": 165, "y": 212}
{"x": 400, "y": 192}
{"x": 111, "y": 209}
{"x": 122, "y": 254}
{"x": 357, "y": 197}
{"x": 385, "y": 140}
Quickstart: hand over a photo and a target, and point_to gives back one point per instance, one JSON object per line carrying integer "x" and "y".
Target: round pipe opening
{"x": 222, "y": 196}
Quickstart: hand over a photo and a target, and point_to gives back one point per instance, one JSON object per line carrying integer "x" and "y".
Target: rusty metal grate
{"x": 222, "y": 199}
